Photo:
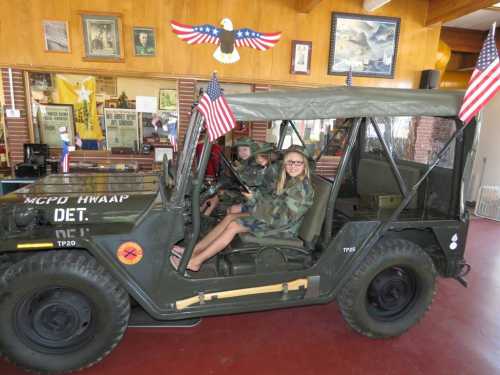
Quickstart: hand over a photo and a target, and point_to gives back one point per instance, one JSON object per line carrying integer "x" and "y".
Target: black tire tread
{"x": 83, "y": 263}
{"x": 388, "y": 247}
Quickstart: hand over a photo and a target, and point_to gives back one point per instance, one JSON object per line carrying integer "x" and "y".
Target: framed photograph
{"x": 50, "y": 118}
{"x": 102, "y": 37}
{"x": 56, "y": 37}
{"x": 122, "y": 128}
{"x": 366, "y": 44}
{"x": 41, "y": 81}
{"x": 144, "y": 41}
{"x": 301, "y": 57}
{"x": 167, "y": 100}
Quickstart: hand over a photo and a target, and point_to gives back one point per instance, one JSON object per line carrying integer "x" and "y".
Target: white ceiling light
{"x": 371, "y": 5}
{"x": 497, "y": 5}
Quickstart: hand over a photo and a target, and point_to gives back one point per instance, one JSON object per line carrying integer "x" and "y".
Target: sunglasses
{"x": 294, "y": 163}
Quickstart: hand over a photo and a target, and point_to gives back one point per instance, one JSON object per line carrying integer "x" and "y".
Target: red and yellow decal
{"x": 130, "y": 253}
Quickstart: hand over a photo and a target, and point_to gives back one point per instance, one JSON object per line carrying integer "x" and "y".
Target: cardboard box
{"x": 381, "y": 201}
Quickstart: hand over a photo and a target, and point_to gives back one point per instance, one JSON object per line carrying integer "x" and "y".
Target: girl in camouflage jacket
{"x": 281, "y": 213}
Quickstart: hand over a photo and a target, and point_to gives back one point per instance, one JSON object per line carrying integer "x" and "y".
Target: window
{"x": 415, "y": 139}
{"x": 328, "y": 135}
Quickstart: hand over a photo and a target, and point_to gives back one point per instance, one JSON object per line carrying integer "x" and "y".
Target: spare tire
{"x": 60, "y": 311}
{"x": 390, "y": 291}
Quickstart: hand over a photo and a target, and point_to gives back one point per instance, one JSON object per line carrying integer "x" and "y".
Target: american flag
{"x": 484, "y": 82}
{"x": 65, "y": 158}
{"x": 172, "y": 134}
{"x": 218, "y": 115}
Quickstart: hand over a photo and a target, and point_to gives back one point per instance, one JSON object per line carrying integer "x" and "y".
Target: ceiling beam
{"x": 447, "y": 10}
{"x": 372, "y": 5}
{"x": 305, "y": 6}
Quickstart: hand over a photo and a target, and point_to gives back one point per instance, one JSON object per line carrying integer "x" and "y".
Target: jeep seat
{"x": 310, "y": 229}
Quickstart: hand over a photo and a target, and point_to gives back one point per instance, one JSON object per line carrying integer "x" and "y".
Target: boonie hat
{"x": 264, "y": 148}
{"x": 299, "y": 149}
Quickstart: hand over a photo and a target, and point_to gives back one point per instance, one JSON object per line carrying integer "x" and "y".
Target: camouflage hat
{"x": 245, "y": 141}
{"x": 264, "y": 148}
{"x": 299, "y": 149}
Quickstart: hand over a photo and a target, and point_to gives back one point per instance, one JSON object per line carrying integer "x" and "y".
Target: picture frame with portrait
{"x": 167, "y": 100}
{"x": 144, "y": 41}
{"x": 102, "y": 36}
{"x": 367, "y": 45}
{"x": 56, "y": 36}
{"x": 301, "y": 57}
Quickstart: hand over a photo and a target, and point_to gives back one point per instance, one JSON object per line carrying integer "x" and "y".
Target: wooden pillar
{"x": 186, "y": 93}
{"x": 17, "y": 132}
{"x": 258, "y": 130}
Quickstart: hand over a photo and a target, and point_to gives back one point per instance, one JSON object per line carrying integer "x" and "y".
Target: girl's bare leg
{"x": 231, "y": 230}
{"x": 234, "y": 209}
{"x": 215, "y": 232}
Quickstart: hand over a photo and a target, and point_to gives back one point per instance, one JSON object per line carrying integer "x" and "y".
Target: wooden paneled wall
{"x": 22, "y": 44}
{"x": 464, "y": 40}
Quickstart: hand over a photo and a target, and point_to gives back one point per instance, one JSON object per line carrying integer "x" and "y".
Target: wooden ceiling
{"x": 447, "y": 10}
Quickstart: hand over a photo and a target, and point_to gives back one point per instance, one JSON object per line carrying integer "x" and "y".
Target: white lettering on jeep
{"x": 349, "y": 249}
{"x": 70, "y": 214}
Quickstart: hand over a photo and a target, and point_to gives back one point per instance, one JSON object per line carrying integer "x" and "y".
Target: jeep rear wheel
{"x": 391, "y": 290}
{"x": 60, "y": 312}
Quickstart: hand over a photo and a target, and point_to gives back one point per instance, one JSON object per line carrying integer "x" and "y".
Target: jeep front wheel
{"x": 60, "y": 312}
{"x": 390, "y": 291}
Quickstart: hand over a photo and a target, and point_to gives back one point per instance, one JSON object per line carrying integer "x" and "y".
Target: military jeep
{"x": 77, "y": 251}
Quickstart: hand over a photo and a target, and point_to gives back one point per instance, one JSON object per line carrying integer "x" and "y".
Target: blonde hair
{"x": 280, "y": 185}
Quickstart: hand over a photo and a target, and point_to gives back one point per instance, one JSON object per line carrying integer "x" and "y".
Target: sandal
{"x": 178, "y": 251}
{"x": 175, "y": 262}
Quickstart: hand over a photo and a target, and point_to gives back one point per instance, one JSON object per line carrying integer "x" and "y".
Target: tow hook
{"x": 464, "y": 270}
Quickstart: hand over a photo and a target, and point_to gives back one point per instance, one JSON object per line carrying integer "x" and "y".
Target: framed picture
{"x": 122, "y": 128}
{"x": 167, "y": 100}
{"x": 50, "y": 118}
{"x": 301, "y": 57}
{"x": 102, "y": 37}
{"x": 56, "y": 37}
{"x": 144, "y": 41}
{"x": 366, "y": 44}
{"x": 41, "y": 81}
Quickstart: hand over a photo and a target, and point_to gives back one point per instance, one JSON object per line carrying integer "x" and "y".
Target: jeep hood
{"x": 85, "y": 198}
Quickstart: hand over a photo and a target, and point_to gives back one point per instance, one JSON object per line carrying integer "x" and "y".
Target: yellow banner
{"x": 81, "y": 94}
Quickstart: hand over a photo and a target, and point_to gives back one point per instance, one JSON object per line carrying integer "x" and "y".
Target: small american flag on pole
{"x": 65, "y": 158}
{"x": 172, "y": 134}
{"x": 218, "y": 115}
{"x": 485, "y": 80}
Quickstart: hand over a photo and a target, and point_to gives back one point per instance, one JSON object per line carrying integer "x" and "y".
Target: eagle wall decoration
{"x": 227, "y": 38}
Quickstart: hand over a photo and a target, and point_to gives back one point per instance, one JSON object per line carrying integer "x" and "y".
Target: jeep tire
{"x": 390, "y": 291}
{"x": 59, "y": 312}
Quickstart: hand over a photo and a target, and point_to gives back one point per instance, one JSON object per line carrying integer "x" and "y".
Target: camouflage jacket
{"x": 266, "y": 178}
{"x": 283, "y": 213}
{"x": 247, "y": 170}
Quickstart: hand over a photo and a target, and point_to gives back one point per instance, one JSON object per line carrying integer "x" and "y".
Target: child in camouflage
{"x": 265, "y": 179}
{"x": 246, "y": 167}
{"x": 280, "y": 214}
